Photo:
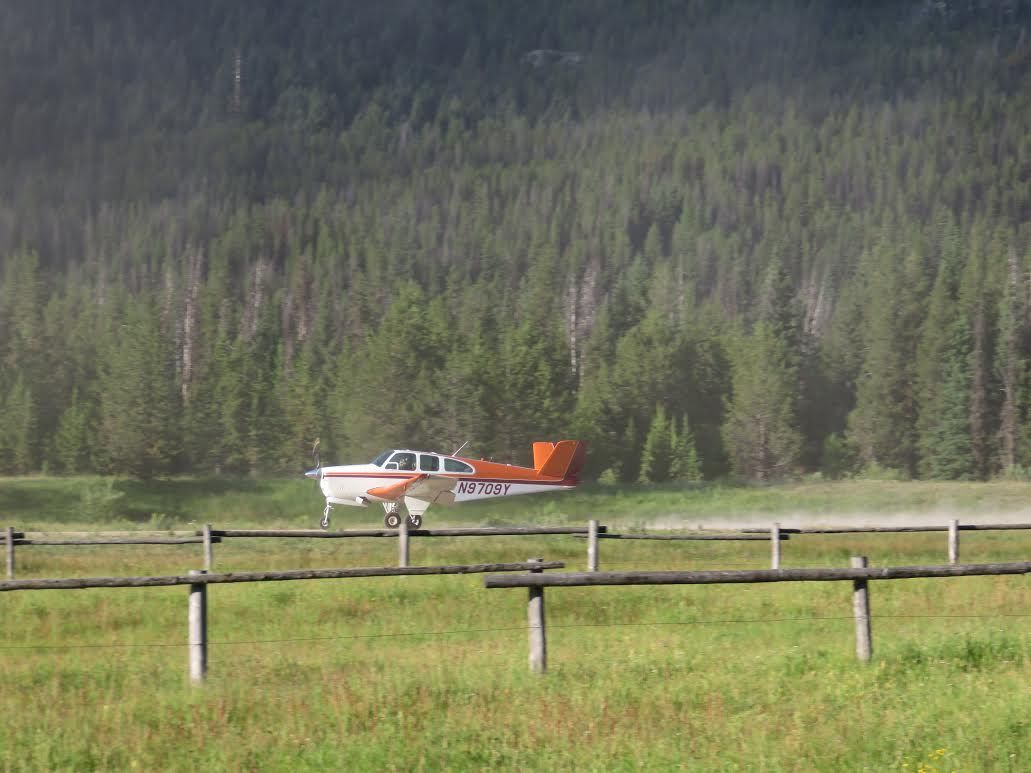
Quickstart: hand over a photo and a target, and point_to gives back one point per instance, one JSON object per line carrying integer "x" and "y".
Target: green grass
{"x": 48, "y": 503}
{"x": 430, "y": 673}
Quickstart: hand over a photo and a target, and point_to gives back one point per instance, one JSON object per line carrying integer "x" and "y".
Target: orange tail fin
{"x": 562, "y": 460}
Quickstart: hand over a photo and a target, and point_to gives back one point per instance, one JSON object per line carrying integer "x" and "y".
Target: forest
{"x": 748, "y": 240}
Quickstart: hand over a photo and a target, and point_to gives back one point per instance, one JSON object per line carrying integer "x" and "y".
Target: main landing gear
{"x": 392, "y": 519}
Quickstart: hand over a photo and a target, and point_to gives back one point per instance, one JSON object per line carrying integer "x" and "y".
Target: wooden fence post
{"x": 953, "y": 541}
{"x": 198, "y": 618}
{"x": 209, "y": 553}
{"x": 592, "y": 546}
{"x": 535, "y": 617}
{"x": 861, "y": 611}
{"x": 402, "y": 543}
{"x": 775, "y": 546}
{"x": 10, "y": 552}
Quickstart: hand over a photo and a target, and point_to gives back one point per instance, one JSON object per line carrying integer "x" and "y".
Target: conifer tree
{"x": 656, "y": 457}
{"x": 17, "y": 430}
{"x": 949, "y": 452}
{"x": 684, "y": 461}
{"x": 934, "y": 342}
{"x": 883, "y": 424}
{"x": 73, "y": 438}
{"x": 139, "y": 409}
{"x": 760, "y": 434}
{"x": 1010, "y": 362}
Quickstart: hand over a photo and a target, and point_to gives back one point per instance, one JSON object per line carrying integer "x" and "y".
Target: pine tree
{"x": 17, "y": 430}
{"x": 684, "y": 461}
{"x": 139, "y": 406}
{"x": 656, "y": 457}
{"x": 950, "y": 451}
{"x": 883, "y": 423}
{"x": 1010, "y": 362}
{"x": 760, "y": 434}
{"x": 72, "y": 440}
{"x": 301, "y": 404}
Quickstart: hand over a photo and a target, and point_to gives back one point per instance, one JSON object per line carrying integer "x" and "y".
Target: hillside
{"x": 711, "y": 238}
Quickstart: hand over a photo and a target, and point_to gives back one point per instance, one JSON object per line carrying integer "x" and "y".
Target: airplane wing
{"x": 430, "y": 488}
{"x": 435, "y": 489}
{"x": 395, "y": 490}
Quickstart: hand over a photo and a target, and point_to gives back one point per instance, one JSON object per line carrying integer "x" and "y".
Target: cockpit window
{"x": 405, "y": 460}
{"x": 378, "y": 461}
{"x": 429, "y": 463}
{"x": 453, "y": 465}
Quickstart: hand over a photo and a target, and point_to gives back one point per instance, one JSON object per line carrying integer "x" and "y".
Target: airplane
{"x": 419, "y": 479}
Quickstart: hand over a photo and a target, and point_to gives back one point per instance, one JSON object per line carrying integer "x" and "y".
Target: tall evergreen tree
{"x": 684, "y": 461}
{"x": 949, "y": 451}
{"x": 883, "y": 424}
{"x": 139, "y": 407}
{"x": 760, "y": 434}
{"x": 657, "y": 455}
{"x": 1010, "y": 362}
{"x": 73, "y": 439}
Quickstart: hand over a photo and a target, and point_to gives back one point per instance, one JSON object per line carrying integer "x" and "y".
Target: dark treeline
{"x": 709, "y": 238}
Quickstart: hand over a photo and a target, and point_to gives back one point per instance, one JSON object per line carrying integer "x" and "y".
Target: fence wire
{"x": 509, "y": 629}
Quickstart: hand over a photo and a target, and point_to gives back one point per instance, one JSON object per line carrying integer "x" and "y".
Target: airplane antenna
{"x": 455, "y": 452}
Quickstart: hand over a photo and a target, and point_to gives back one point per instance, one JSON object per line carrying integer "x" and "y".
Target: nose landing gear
{"x": 324, "y": 523}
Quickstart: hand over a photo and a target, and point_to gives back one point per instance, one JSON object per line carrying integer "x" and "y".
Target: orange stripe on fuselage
{"x": 482, "y": 469}
{"x": 507, "y": 472}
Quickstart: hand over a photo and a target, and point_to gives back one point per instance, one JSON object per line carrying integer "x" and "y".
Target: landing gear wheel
{"x": 324, "y": 523}
{"x": 392, "y": 520}
{"x": 415, "y": 521}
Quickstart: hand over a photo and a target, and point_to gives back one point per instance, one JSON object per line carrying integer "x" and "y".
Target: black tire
{"x": 392, "y": 520}
{"x": 415, "y": 521}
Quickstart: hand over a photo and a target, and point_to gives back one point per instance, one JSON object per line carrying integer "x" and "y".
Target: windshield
{"x": 378, "y": 461}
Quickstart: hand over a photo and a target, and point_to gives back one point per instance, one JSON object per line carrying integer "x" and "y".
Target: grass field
{"x": 67, "y": 502}
{"x": 431, "y": 673}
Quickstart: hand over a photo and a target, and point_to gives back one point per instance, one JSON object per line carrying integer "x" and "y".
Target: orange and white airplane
{"x": 419, "y": 479}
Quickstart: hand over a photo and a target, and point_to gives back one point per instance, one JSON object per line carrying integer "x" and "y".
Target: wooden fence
{"x": 954, "y": 527}
{"x": 860, "y": 574}
{"x": 209, "y": 536}
{"x": 593, "y": 532}
{"x": 199, "y": 580}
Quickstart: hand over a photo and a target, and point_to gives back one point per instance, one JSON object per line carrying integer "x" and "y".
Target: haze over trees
{"x": 709, "y": 238}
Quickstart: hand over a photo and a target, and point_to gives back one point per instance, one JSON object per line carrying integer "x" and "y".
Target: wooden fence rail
{"x": 859, "y": 574}
{"x": 719, "y": 576}
{"x": 118, "y": 541}
{"x": 593, "y": 532}
{"x": 895, "y": 529}
{"x": 77, "y": 583}
{"x": 954, "y": 527}
{"x": 198, "y": 582}
{"x": 484, "y": 531}
{"x": 208, "y": 536}
{"x": 694, "y": 537}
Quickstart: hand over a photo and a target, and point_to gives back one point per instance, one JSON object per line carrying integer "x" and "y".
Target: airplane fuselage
{"x": 419, "y": 479}
{"x": 350, "y": 484}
